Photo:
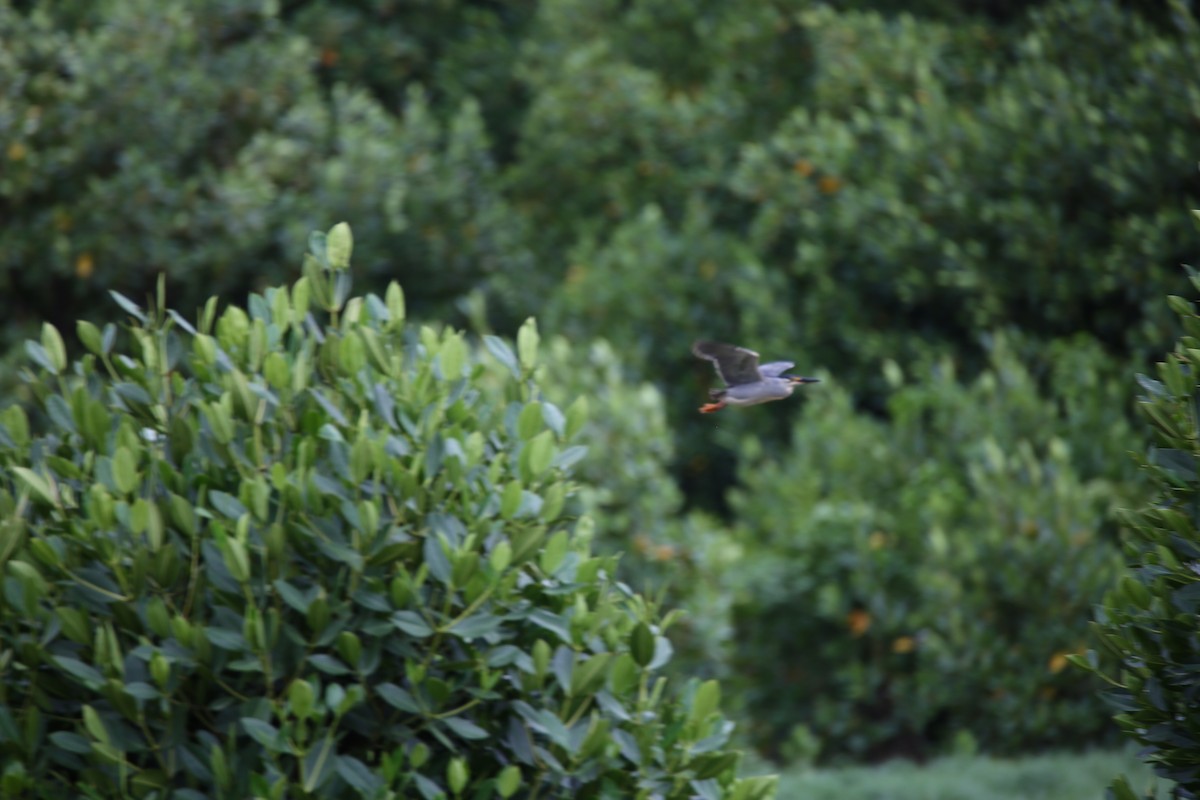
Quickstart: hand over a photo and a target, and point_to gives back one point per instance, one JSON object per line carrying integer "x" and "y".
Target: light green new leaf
{"x": 529, "y": 422}
{"x": 339, "y": 244}
{"x": 527, "y": 344}
{"x": 39, "y": 485}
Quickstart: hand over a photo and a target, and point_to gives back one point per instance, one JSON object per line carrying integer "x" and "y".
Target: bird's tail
{"x": 716, "y": 394}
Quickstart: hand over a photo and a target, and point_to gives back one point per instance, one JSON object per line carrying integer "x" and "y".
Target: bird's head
{"x": 796, "y": 379}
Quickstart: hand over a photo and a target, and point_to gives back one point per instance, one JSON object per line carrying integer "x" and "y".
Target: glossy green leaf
{"x": 339, "y": 244}
{"x": 411, "y": 623}
{"x": 576, "y": 417}
{"x": 124, "y": 470}
{"x": 508, "y": 781}
{"x": 89, "y": 336}
{"x": 537, "y": 456}
{"x": 85, "y": 673}
{"x": 555, "y": 551}
{"x": 501, "y": 556}
{"x": 40, "y": 486}
{"x": 264, "y": 733}
{"x": 529, "y": 422}
{"x": 436, "y": 559}
{"x": 394, "y": 299}
{"x": 465, "y": 729}
{"x": 510, "y": 500}
{"x": 642, "y": 644}
{"x": 590, "y": 675}
{"x": 527, "y": 344}
{"x": 476, "y": 625}
{"x": 705, "y": 702}
{"x": 95, "y": 725}
{"x": 398, "y": 698}
{"x": 453, "y": 356}
{"x": 503, "y": 353}
{"x": 358, "y": 776}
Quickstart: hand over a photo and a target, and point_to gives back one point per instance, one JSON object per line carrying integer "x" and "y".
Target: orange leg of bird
{"x": 709, "y": 408}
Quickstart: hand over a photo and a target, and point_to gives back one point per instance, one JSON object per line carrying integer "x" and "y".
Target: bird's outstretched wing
{"x": 774, "y": 369}
{"x": 735, "y": 365}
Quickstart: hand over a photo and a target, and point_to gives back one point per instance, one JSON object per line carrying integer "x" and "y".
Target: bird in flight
{"x": 747, "y": 382}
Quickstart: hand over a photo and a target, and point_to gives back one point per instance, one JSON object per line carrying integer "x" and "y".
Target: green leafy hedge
{"x": 303, "y": 549}
{"x": 1148, "y": 621}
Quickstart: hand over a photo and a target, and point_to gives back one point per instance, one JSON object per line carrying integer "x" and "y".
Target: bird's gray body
{"x": 752, "y": 394}
{"x": 747, "y": 382}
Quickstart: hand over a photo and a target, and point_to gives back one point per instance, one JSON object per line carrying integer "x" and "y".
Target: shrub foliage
{"x": 1148, "y": 621}
{"x": 304, "y": 549}
{"x": 840, "y": 183}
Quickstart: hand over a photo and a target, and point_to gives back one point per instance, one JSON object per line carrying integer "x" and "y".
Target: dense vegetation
{"x": 1149, "y": 619}
{"x": 310, "y": 554}
{"x": 963, "y": 214}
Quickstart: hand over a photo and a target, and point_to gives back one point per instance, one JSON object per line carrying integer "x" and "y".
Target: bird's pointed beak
{"x": 798, "y": 379}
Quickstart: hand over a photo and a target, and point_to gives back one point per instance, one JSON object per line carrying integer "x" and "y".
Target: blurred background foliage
{"x": 963, "y": 214}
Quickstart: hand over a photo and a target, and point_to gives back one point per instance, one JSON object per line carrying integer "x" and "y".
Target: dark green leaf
{"x": 318, "y": 765}
{"x": 86, "y": 673}
{"x": 554, "y": 419}
{"x": 662, "y": 652}
{"x": 714, "y": 741}
{"x": 128, "y": 306}
{"x": 570, "y": 457}
{"x": 503, "y": 353}
{"x": 1120, "y": 789}
{"x": 341, "y": 553}
{"x": 1187, "y": 599}
{"x": 711, "y": 765}
{"x": 264, "y": 733}
{"x": 298, "y": 600}
{"x": 464, "y": 728}
{"x": 60, "y": 413}
{"x": 628, "y": 746}
{"x": 227, "y": 504}
{"x": 333, "y": 411}
{"x": 412, "y": 623}
{"x": 642, "y": 644}
{"x": 141, "y": 690}
{"x": 181, "y": 321}
{"x": 562, "y": 665}
{"x": 40, "y": 356}
{"x": 476, "y": 625}
{"x": 226, "y": 639}
{"x": 71, "y": 742}
{"x": 328, "y": 664}
{"x": 429, "y": 789}
{"x": 552, "y": 622}
{"x": 612, "y": 707}
{"x": 359, "y": 776}
{"x": 436, "y": 559}
{"x": 506, "y": 654}
{"x": 399, "y": 698}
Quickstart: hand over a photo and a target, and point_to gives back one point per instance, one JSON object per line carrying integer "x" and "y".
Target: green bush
{"x": 670, "y": 550}
{"x": 914, "y": 587}
{"x": 207, "y": 127}
{"x": 1148, "y": 621}
{"x": 461, "y": 50}
{"x": 303, "y": 549}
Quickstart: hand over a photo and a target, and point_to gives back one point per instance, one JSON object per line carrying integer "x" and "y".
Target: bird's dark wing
{"x": 735, "y": 365}
{"x": 774, "y": 369}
